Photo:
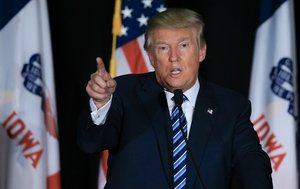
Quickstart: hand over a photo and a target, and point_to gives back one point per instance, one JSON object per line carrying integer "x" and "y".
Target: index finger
{"x": 100, "y": 66}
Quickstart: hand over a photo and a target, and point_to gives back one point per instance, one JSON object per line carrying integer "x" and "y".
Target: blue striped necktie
{"x": 179, "y": 146}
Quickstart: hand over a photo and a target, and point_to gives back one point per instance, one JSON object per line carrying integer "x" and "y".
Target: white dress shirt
{"x": 188, "y": 106}
{"x": 99, "y": 115}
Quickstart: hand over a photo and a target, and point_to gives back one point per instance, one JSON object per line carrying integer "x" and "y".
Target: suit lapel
{"x": 201, "y": 129}
{"x": 153, "y": 99}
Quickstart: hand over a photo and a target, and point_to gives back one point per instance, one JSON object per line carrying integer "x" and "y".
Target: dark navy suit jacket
{"x": 223, "y": 142}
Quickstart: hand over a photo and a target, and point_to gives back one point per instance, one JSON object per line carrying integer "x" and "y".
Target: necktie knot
{"x": 184, "y": 98}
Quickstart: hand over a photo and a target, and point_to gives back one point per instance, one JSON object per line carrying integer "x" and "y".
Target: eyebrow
{"x": 184, "y": 39}
{"x": 179, "y": 41}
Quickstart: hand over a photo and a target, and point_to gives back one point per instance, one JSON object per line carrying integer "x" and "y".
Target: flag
{"x": 128, "y": 56}
{"x": 29, "y": 154}
{"x": 273, "y": 90}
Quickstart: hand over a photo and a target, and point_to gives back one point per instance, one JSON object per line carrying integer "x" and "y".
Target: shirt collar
{"x": 191, "y": 94}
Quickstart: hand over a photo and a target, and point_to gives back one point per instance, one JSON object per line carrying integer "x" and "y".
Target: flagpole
{"x": 116, "y": 30}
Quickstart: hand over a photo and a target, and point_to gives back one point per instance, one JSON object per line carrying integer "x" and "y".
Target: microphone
{"x": 178, "y": 99}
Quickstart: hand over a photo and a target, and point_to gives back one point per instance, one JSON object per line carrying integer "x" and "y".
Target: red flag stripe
{"x": 134, "y": 57}
{"x": 104, "y": 158}
{"x": 53, "y": 181}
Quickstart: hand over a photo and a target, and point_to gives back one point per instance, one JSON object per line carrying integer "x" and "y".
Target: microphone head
{"x": 178, "y": 96}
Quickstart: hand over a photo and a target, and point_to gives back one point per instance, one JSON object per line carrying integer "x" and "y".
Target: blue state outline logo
{"x": 32, "y": 74}
{"x": 282, "y": 83}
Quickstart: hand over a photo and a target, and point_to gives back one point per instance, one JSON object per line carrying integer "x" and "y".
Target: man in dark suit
{"x": 133, "y": 116}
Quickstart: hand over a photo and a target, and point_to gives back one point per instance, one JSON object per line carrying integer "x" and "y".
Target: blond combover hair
{"x": 175, "y": 18}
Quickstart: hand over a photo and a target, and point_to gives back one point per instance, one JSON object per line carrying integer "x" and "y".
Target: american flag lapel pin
{"x": 210, "y": 111}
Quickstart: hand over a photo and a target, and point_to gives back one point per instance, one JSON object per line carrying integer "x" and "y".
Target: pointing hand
{"x": 100, "y": 86}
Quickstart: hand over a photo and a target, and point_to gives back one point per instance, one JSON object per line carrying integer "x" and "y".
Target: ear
{"x": 202, "y": 53}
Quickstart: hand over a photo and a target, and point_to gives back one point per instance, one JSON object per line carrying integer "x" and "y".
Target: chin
{"x": 173, "y": 87}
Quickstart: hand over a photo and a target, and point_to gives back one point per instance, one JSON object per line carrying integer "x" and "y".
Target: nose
{"x": 174, "y": 57}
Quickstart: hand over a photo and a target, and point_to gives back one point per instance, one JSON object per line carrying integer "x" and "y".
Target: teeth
{"x": 176, "y": 71}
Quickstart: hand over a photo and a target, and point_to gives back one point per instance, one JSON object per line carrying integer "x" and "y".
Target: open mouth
{"x": 175, "y": 71}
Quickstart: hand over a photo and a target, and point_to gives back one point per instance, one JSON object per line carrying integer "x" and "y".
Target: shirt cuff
{"x": 99, "y": 115}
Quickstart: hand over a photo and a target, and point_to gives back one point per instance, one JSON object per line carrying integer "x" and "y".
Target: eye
{"x": 184, "y": 44}
{"x": 162, "y": 48}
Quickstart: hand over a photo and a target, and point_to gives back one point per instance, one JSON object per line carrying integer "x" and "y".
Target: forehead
{"x": 169, "y": 35}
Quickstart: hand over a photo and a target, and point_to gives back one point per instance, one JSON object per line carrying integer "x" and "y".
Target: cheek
{"x": 161, "y": 68}
{"x": 155, "y": 61}
{"x": 193, "y": 68}
{"x": 160, "y": 63}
